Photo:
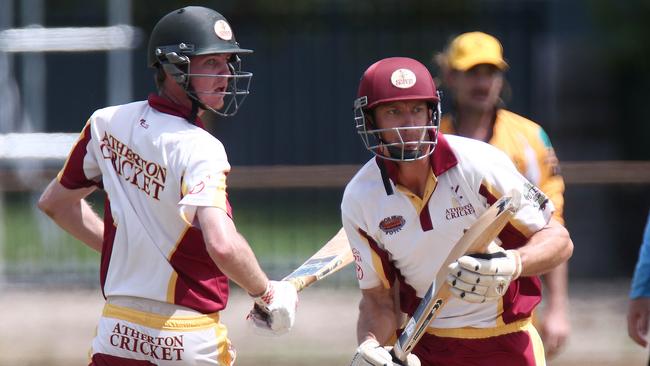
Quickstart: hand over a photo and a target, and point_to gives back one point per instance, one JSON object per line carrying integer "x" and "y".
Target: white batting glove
{"x": 370, "y": 353}
{"x": 481, "y": 277}
{"x": 274, "y": 312}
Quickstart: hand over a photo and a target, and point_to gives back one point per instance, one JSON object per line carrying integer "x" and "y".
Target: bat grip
{"x": 396, "y": 359}
{"x": 298, "y": 282}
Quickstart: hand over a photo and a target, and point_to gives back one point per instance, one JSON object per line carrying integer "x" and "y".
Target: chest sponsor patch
{"x": 392, "y": 224}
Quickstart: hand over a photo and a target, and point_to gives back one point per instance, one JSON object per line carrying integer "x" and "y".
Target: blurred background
{"x": 579, "y": 68}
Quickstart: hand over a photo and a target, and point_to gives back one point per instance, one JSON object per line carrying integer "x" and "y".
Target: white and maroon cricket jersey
{"x": 156, "y": 169}
{"x": 395, "y": 235}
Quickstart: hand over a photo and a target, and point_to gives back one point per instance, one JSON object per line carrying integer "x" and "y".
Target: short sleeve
{"x": 367, "y": 263}
{"x": 204, "y": 178}
{"x": 500, "y": 177}
{"x": 81, "y": 169}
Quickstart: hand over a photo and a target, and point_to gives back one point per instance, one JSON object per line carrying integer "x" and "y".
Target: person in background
{"x": 472, "y": 68}
{"x": 638, "y": 313}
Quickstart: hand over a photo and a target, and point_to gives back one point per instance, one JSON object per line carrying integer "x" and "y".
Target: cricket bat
{"x": 334, "y": 255}
{"x": 475, "y": 239}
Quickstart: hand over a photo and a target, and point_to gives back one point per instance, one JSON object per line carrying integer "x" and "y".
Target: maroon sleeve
{"x": 72, "y": 175}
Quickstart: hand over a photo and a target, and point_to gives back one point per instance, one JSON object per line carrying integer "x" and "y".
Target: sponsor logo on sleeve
{"x": 357, "y": 263}
{"x": 198, "y": 188}
{"x": 535, "y": 196}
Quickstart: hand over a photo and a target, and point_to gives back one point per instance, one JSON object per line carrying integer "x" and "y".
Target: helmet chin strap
{"x": 398, "y": 153}
{"x": 196, "y": 104}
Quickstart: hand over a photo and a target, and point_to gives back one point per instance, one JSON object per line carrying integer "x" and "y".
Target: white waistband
{"x": 151, "y": 306}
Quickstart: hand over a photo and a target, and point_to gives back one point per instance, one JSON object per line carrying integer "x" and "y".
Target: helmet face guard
{"x": 194, "y": 31}
{"x": 390, "y": 80}
{"x": 238, "y": 82}
{"x": 403, "y": 149}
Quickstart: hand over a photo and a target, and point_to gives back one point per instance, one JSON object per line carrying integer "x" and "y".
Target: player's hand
{"x": 483, "y": 277}
{"x": 274, "y": 312}
{"x": 554, "y": 330}
{"x": 637, "y": 320}
{"x": 370, "y": 353}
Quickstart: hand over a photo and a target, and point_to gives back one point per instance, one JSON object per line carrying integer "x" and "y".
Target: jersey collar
{"x": 442, "y": 159}
{"x": 164, "y": 105}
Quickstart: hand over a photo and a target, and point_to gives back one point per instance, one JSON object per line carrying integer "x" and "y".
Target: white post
{"x": 33, "y": 74}
{"x": 7, "y": 92}
{"x": 120, "y": 71}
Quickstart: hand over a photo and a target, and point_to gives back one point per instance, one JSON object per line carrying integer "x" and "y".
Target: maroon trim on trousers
{"x": 408, "y": 300}
{"x": 101, "y": 359}
{"x": 200, "y": 284}
{"x": 73, "y": 176}
{"x": 107, "y": 245}
{"x": 525, "y": 293}
{"x": 513, "y": 349}
{"x": 165, "y": 105}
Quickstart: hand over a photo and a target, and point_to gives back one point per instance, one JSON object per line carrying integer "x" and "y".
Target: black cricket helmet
{"x": 194, "y": 31}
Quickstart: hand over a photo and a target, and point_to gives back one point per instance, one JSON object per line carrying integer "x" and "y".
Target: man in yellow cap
{"x": 472, "y": 68}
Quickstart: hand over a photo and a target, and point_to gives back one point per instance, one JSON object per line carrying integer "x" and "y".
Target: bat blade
{"x": 333, "y": 256}
{"x": 475, "y": 239}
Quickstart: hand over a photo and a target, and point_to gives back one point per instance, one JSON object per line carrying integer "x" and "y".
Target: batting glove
{"x": 485, "y": 277}
{"x": 370, "y": 353}
{"x": 274, "y": 312}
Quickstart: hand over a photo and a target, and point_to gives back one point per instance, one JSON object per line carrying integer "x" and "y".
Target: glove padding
{"x": 484, "y": 277}
{"x": 274, "y": 311}
{"x": 370, "y": 353}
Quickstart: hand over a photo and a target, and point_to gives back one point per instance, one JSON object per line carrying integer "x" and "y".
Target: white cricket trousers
{"x": 141, "y": 332}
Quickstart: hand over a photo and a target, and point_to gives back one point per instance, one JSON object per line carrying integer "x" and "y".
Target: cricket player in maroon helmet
{"x": 406, "y": 208}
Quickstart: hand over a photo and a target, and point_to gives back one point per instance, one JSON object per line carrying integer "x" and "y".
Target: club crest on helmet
{"x": 222, "y": 30}
{"x": 403, "y": 78}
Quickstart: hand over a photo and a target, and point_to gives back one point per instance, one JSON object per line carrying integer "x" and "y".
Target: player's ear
{"x": 159, "y": 78}
{"x": 369, "y": 116}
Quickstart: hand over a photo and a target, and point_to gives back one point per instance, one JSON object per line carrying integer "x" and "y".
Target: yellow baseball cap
{"x": 475, "y": 48}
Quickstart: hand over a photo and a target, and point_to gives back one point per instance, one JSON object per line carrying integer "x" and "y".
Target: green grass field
{"x": 284, "y": 227}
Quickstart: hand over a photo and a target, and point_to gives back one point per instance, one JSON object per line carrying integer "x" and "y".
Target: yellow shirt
{"x": 530, "y": 149}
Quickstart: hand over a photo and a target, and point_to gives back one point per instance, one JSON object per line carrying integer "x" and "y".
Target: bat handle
{"x": 398, "y": 355}
{"x": 298, "y": 283}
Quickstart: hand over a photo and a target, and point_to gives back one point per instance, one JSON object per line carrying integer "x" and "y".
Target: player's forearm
{"x": 556, "y": 282}
{"x": 230, "y": 251}
{"x": 545, "y": 250}
{"x": 376, "y": 319}
{"x": 71, "y": 212}
{"x": 240, "y": 265}
{"x": 80, "y": 221}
